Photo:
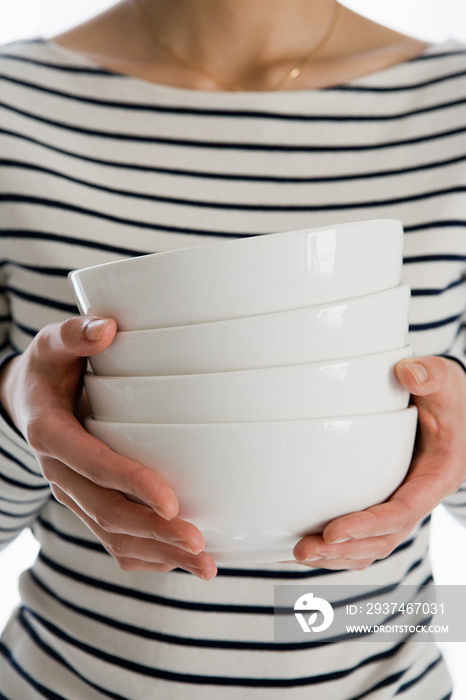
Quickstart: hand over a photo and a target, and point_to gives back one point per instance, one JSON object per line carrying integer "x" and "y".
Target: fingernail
{"x": 184, "y": 544}
{"x": 95, "y": 328}
{"x": 166, "y": 511}
{"x": 418, "y": 371}
{"x": 199, "y": 573}
{"x": 338, "y": 540}
{"x": 311, "y": 557}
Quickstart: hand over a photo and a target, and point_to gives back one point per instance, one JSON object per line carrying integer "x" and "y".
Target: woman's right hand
{"x": 41, "y": 390}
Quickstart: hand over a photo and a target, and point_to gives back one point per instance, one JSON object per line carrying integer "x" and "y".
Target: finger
{"x": 437, "y": 469}
{"x": 422, "y": 490}
{"x": 66, "y": 441}
{"x": 340, "y": 564}
{"x": 128, "y": 564}
{"x": 434, "y": 381}
{"x": 59, "y": 345}
{"x": 440, "y": 397}
{"x": 124, "y": 548}
{"x": 77, "y": 337}
{"x": 114, "y": 513}
{"x": 49, "y": 373}
{"x": 314, "y": 548}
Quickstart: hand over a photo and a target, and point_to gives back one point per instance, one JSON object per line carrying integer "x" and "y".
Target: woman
{"x": 158, "y": 125}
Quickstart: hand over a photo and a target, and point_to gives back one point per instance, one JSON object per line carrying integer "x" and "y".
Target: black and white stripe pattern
{"x": 96, "y": 166}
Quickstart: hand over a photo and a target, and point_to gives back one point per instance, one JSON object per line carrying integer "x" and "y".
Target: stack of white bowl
{"x": 257, "y": 378}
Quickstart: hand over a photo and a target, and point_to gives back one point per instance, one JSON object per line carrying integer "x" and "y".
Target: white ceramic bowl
{"x": 246, "y": 277}
{"x": 347, "y": 386}
{"x": 359, "y": 326}
{"x": 254, "y": 488}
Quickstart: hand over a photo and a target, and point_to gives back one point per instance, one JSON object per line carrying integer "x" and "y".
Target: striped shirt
{"x": 97, "y": 166}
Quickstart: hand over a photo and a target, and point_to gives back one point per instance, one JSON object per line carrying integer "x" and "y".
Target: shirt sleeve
{"x": 23, "y": 490}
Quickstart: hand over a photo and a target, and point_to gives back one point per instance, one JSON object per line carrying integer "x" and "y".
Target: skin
{"x": 438, "y": 468}
{"x": 253, "y": 43}
{"x": 42, "y": 389}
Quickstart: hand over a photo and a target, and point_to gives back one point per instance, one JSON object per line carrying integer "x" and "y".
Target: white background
{"x": 432, "y": 20}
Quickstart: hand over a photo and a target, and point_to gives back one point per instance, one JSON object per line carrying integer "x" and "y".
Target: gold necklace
{"x": 151, "y": 27}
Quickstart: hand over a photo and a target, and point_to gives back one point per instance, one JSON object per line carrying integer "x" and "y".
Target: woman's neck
{"x": 230, "y": 32}
{"x": 247, "y": 42}
{"x": 252, "y": 43}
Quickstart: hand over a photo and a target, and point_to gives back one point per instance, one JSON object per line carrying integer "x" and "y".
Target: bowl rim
{"x": 410, "y": 410}
{"x": 242, "y": 240}
{"x": 398, "y": 290}
{"x": 358, "y": 359}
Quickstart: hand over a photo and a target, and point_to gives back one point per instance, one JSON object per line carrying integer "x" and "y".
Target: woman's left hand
{"x": 438, "y": 468}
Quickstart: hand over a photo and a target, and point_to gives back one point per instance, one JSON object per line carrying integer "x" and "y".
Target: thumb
{"x": 80, "y": 336}
{"x": 431, "y": 377}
